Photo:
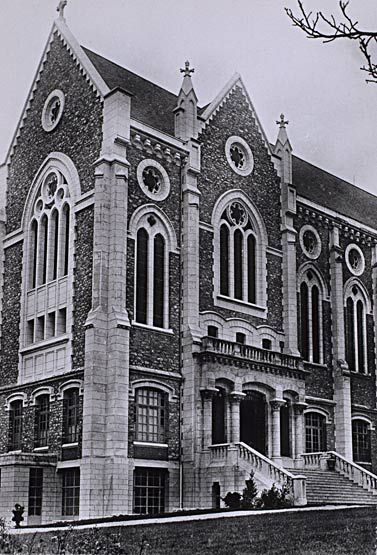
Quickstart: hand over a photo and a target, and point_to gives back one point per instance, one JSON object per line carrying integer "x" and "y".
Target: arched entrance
{"x": 253, "y": 421}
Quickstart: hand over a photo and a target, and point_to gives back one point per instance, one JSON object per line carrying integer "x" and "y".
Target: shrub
{"x": 275, "y": 498}
{"x": 232, "y": 500}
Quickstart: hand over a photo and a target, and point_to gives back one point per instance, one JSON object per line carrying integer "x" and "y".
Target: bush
{"x": 232, "y": 500}
{"x": 275, "y": 498}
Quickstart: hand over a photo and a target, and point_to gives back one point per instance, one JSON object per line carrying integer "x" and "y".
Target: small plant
{"x": 232, "y": 500}
{"x": 250, "y": 493}
{"x": 275, "y": 498}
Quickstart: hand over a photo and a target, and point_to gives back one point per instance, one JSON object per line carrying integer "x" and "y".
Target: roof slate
{"x": 150, "y": 104}
{"x": 334, "y": 193}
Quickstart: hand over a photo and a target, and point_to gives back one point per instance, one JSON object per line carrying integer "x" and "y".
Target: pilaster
{"x": 104, "y": 476}
{"x": 342, "y": 379}
{"x": 299, "y": 431}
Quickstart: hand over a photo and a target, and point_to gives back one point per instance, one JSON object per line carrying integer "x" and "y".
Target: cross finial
{"x": 187, "y": 70}
{"x": 282, "y": 123}
{"x": 60, "y": 8}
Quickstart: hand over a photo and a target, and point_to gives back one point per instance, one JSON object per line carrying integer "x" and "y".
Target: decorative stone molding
{"x": 166, "y": 154}
{"x": 53, "y": 110}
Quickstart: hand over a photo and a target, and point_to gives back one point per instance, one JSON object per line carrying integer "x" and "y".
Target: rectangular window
{"x": 149, "y": 490}
{"x": 35, "y": 491}
{"x": 15, "y": 426}
{"x": 71, "y": 492}
{"x": 71, "y": 405}
{"x": 212, "y": 331}
{"x": 42, "y": 416}
{"x": 50, "y": 328}
{"x": 150, "y": 415}
{"x": 62, "y": 321}
{"x": 40, "y": 329}
{"x": 30, "y": 332}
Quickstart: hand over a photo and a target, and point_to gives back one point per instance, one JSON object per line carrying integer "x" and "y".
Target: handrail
{"x": 353, "y": 471}
{"x": 255, "y": 354}
{"x": 284, "y": 475}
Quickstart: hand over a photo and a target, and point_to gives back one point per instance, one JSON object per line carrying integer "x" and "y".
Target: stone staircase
{"x": 328, "y": 487}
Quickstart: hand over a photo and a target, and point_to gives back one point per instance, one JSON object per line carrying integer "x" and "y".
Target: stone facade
{"x": 204, "y": 326}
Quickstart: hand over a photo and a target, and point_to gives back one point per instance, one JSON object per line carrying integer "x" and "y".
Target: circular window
{"x": 52, "y": 110}
{"x": 355, "y": 260}
{"x": 310, "y": 242}
{"x": 153, "y": 179}
{"x": 237, "y": 214}
{"x": 239, "y": 155}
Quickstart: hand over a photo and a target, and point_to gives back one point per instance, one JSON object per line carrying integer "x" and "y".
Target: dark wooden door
{"x": 253, "y": 421}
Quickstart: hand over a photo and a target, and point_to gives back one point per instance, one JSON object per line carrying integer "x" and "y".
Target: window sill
{"x": 150, "y": 444}
{"x": 52, "y": 342}
{"x": 315, "y": 364}
{"x": 168, "y": 331}
{"x": 41, "y": 449}
{"x": 360, "y": 374}
{"x": 240, "y": 306}
{"x": 14, "y": 451}
{"x": 68, "y": 445}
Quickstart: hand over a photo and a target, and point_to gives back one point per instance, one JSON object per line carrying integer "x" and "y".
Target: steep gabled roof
{"x": 323, "y": 188}
{"x": 150, "y": 104}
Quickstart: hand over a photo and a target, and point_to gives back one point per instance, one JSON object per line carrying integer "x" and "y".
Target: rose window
{"x": 310, "y": 242}
{"x": 355, "y": 259}
{"x": 237, "y": 214}
{"x": 237, "y": 156}
{"x": 152, "y": 179}
{"x": 53, "y": 110}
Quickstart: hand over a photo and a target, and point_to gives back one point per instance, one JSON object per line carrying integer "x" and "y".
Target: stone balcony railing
{"x": 253, "y": 354}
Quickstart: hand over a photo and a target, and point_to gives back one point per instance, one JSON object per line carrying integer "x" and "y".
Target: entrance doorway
{"x": 285, "y": 442}
{"x": 253, "y": 421}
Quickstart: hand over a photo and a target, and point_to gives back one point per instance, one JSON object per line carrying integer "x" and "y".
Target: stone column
{"x": 342, "y": 384}
{"x": 276, "y": 404}
{"x": 235, "y": 400}
{"x": 299, "y": 432}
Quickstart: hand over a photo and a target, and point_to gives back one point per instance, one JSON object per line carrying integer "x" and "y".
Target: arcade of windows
{"x": 152, "y": 249}
{"x": 356, "y": 330}
{"x": 237, "y": 254}
{"x": 310, "y": 325}
{"x": 48, "y": 261}
{"x": 71, "y": 420}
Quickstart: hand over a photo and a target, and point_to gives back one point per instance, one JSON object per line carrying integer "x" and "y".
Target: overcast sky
{"x": 332, "y": 112}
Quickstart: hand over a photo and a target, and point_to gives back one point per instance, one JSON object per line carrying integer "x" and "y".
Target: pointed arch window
{"x": 310, "y": 332}
{"x": 237, "y": 254}
{"x": 356, "y": 330}
{"x": 47, "y": 278}
{"x": 152, "y": 274}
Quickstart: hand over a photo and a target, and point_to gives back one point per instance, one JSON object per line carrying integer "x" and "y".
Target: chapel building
{"x": 182, "y": 302}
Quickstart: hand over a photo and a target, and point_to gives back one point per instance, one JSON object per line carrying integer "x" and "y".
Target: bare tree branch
{"x": 329, "y": 29}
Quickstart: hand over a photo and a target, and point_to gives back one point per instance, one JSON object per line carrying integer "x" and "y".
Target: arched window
{"x": 315, "y": 432}
{"x": 361, "y": 441}
{"x": 42, "y": 418}
{"x": 356, "y": 330}
{"x": 240, "y": 242}
{"x": 310, "y": 323}
{"x": 155, "y": 240}
{"x": 47, "y": 290}
{"x": 71, "y": 415}
{"x": 150, "y": 415}
{"x": 15, "y": 425}
{"x": 237, "y": 254}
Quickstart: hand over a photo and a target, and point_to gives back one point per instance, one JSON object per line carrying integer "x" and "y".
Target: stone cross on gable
{"x": 60, "y": 8}
{"x": 187, "y": 70}
{"x": 282, "y": 122}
